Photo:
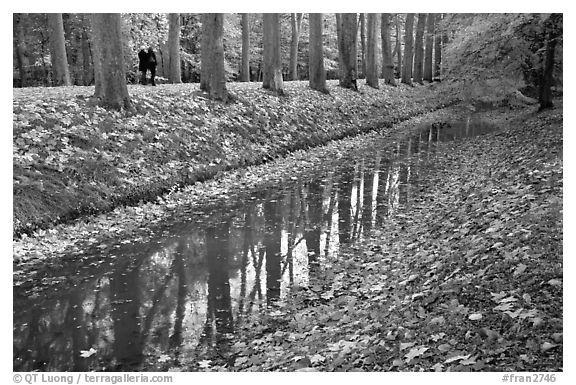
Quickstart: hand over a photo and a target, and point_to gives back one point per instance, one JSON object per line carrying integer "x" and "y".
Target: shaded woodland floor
{"x": 468, "y": 279}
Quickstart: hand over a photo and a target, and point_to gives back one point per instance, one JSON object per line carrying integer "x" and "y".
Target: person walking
{"x": 151, "y": 63}
{"x": 143, "y": 64}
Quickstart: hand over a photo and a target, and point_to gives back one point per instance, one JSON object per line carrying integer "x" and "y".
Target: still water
{"x": 178, "y": 298}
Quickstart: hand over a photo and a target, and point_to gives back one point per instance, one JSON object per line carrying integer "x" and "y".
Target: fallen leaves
{"x": 471, "y": 259}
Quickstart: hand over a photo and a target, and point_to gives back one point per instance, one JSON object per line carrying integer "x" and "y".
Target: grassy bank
{"x": 72, "y": 158}
{"x": 469, "y": 279}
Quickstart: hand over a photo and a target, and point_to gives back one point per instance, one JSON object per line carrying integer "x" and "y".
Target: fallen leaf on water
{"x": 164, "y": 358}
{"x": 87, "y": 353}
{"x": 204, "y": 364}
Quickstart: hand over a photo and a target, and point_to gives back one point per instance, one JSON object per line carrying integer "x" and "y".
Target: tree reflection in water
{"x": 182, "y": 295}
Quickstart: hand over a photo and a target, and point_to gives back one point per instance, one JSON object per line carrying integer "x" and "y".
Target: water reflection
{"x": 179, "y": 298}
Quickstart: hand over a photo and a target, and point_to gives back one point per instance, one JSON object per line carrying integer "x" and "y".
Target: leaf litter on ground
{"x": 473, "y": 300}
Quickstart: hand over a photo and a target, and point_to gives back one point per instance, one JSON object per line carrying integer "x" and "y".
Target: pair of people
{"x": 147, "y": 62}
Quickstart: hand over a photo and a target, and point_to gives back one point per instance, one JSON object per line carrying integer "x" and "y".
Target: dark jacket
{"x": 142, "y": 60}
{"x": 151, "y": 56}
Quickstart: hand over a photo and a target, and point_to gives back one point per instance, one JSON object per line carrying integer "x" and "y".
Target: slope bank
{"x": 72, "y": 158}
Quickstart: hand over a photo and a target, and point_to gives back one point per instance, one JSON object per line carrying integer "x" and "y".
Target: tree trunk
{"x": 419, "y": 49}
{"x": 408, "y": 49}
{"x": 387, "y": 61}
{"x": 317, "y": 73}
{"x": 212, "y": 74}
{"x": 174, "y": 71}
{"x": 347, "y": 40}
{"x": 87, "y": 70}
{"x": 372, "y": 51}
{"x": 58, "y": 50}
{"x": 444, "y": 42}
{"x": 429, "y": 47}
{"x": 272, "y": 77}
{"x": 553, "y": 25}
{"x": 295, "y": 21}
{"x": 19, "y": 35}
{"x": 245, "y": 67}
{"x": 437, "y": 47}
{"x": 109, "y": 61}
{"x": 363, "y": 45}
{"x": 398, "y": 47}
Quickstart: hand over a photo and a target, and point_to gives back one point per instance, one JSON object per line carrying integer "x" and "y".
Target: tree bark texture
{"x": 398, "y": 47}
{"x": 272, "y": 76}
{"x": 553, "y": 25}
{"x": 109, "y": 61}
{"x": 387, "y": 61}
{"x": 245, "y": 66}
{"x": 174, "y": 71}
{"x": 444, "y": 42}
{"x": 419, "y": 49}
{"x": 87, "y": 59}
{"x": 295, "y": 22}
{"x": 408, "y": 49}
{"x": 317, "y": 73}
{"x": 20, "y": 48}
{"x": 347, "y": 40}
{"x": 58, "y": 50}
{"x": 372, "y": 50}
{"x": 363, "y": 44}
{"x": 212, "y": 74}
{"x": 437, "y": 47}
{"x": 429, "y": 54}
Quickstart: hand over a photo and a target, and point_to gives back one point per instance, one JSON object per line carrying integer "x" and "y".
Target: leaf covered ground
{"x": 72, "y": 158}
{"x": 469, "y": 278}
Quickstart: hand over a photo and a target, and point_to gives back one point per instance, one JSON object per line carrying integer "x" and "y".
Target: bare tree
{"x": 20, "y": 47}
{"x": 419, "y": 49}
{"x": 371, "y": 51}
{"x": 295, "y": 22}
{"x": 272, "y": 76}
{"x": 175, "y": 74}
{"x": 408, "y": 49}
{"x": 317, "y": 73}
{"x": 398, "y": 48}
{"x": 212, "y": 74}
{"x": 362, "y": 26}
{"x": 387, "y": 61}
{"x": 58, "y": 50}
{"x": 346, "y": 27}
{"x": 437, "y": 47}
{"x": 109, "y": 70}
{"x": 428, "y": 56}
{"x": 245, "y": 67}
{"x": 553, "y": 28}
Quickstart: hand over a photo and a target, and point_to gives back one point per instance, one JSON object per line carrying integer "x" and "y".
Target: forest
{"x": 288, "y": 192}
